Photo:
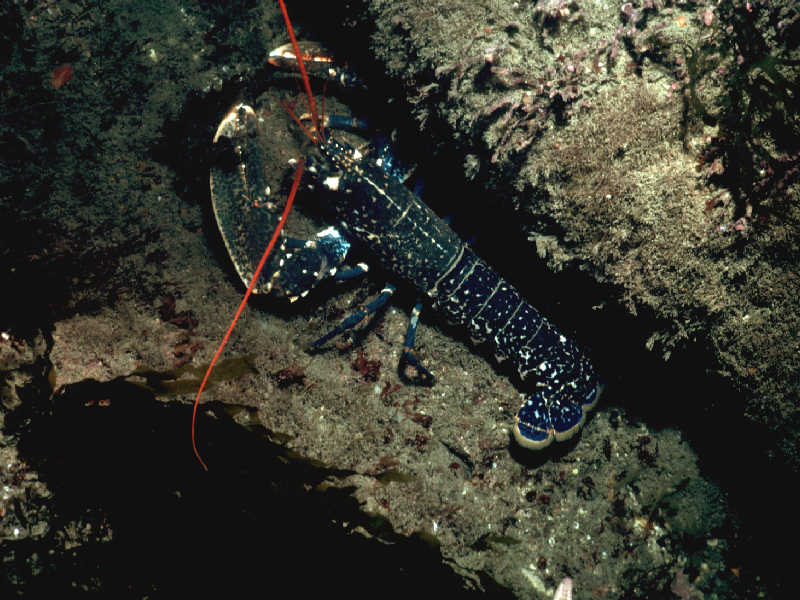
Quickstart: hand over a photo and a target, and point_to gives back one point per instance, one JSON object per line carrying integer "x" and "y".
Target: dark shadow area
{"x": 121, "y": 461}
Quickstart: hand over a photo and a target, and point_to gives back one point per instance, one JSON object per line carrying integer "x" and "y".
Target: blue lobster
{"x": 378, "y": 211}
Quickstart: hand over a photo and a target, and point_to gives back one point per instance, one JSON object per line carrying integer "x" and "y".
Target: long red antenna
{"x": 295, "y": 185}
{"x": 302, "y": 66}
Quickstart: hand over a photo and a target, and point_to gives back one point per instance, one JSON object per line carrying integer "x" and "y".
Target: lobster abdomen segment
{"x": 474, "y": 296}
{"x": 408, "y": 238}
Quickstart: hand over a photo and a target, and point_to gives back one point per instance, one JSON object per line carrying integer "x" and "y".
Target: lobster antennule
{"x": 303, "y": 74}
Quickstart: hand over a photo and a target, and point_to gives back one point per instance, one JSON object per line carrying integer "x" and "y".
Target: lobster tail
{"x": 474, "y": 296}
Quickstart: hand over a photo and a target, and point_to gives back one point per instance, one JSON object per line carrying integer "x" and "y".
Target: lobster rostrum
{"x": 382, "y": 214}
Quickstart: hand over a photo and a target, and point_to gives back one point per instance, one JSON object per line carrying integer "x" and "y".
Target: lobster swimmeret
{"x": 408, "y": 238}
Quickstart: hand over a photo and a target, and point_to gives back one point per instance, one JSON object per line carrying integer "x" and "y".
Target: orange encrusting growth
{"x": 60, "y": 76}
{"x": 295, "y": 185}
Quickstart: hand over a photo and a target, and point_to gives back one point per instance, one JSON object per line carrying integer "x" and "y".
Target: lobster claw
{"x": 316, "y": 59}
{"x": 318, "y": 63}
{"x": 240, "y": 193}
{"x": 302, "y": 264}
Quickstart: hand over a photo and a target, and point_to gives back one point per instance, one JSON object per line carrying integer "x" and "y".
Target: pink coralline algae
{"x": 564, "y": 591}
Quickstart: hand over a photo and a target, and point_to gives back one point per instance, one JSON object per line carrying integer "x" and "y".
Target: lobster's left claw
{"x": 244, "y": 211}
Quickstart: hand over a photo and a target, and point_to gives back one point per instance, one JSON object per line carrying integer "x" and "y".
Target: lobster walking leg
{"x": 358, "y": 317}
{"x": 409, "y": 356}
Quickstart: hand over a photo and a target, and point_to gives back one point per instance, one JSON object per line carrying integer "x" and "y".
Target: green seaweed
{"x": 752, "y": 47}
{"x": 503, "y": 540}
{"x": 393, "y": 475}
{"x": 187, "y": 379}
